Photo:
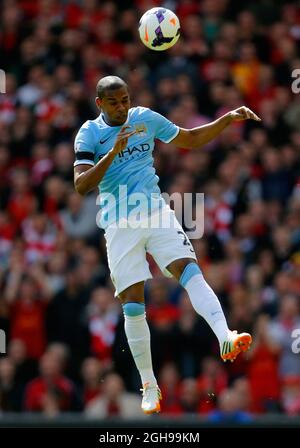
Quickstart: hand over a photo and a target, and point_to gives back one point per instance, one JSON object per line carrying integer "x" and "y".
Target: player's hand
{"x": 243, "y": 113}
{"x": 122, "y": 139}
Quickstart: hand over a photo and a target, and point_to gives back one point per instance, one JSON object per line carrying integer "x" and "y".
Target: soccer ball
{"x": 159, "y": 29}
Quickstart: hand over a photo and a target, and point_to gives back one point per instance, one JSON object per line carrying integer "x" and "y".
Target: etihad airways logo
{"x": 133, "y": 150}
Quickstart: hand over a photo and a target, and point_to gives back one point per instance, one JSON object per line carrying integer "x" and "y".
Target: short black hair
{"x": 109, "y": 83}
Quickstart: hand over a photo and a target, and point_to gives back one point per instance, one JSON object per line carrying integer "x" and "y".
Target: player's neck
{"x": 107, "y": 121}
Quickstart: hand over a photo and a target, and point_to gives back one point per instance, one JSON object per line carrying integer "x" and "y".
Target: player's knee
{"x": 133, "y": 309}
{"x": 134, "y": 293}
{"x": 177, "y": 267}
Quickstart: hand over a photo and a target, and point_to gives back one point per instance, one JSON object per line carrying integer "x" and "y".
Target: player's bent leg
{"x": 206, "y": 303}
{"x": 178, "y": 266}
{"x": 138, "y": 337}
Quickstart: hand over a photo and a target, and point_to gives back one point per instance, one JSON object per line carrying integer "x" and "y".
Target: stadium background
{"x": 66, "y": 348}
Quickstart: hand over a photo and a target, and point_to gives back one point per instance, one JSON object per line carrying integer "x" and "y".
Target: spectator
{"x": 79, "y": 219}
{"x": 27, "y": 315}
{"x": 281, "y": 330}
{"x": 189, "y": 397}
{"x": 67, "y": 321}
{"x": 169, "y": 381}
{"x": 114, "y": 401}
{"x": 290, "y": 398}
{"x": 230, "y": 411}
{"x": 92, "y": 372}
{"x": 26, "y": 368}
{"x": 51, "y": 389}
{"x": 211, "y": 381}
{"x": 103, "y": 317}
{"x": 263, "y": 367}
{"x": 10, "y": 389}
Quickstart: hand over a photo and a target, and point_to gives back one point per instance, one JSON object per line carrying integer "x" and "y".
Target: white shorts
{"x": 127, "y": 248}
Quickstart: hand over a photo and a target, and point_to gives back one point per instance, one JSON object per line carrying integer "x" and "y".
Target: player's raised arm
{"x": 86, "y": 177}
{"x": 196, "y": 137}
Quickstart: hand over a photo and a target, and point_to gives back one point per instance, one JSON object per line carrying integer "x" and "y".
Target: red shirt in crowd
{"x": 263, "y": 378}
{"x": 27, "y": 324}
{"x": 38, "y": 388}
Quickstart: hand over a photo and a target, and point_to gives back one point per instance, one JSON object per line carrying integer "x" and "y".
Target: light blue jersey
{"x": 130, "y": 181}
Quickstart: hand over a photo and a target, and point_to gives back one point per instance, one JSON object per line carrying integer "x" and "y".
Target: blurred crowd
{"x": 66, "y": 347}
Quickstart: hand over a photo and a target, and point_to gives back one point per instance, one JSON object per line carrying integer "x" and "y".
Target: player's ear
{"x": 98, "y": 102}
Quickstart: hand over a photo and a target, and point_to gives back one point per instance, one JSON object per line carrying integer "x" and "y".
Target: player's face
{"x": 115, "y": 105}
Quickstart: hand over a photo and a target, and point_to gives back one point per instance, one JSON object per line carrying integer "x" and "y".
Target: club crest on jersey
{"x": 141, "y": 129}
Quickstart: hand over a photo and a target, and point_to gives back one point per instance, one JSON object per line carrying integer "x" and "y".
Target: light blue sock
{"x": 138, "y": 337}
{"x": 189, "y": 271}
{"x": 133, "y": 309}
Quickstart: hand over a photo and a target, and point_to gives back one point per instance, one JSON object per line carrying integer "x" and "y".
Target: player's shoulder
{"x": 88, "y": 125}
{"x": 87, "y": 135}
{"x": 140, "y": 113}
{"x": 91, "y": 127}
